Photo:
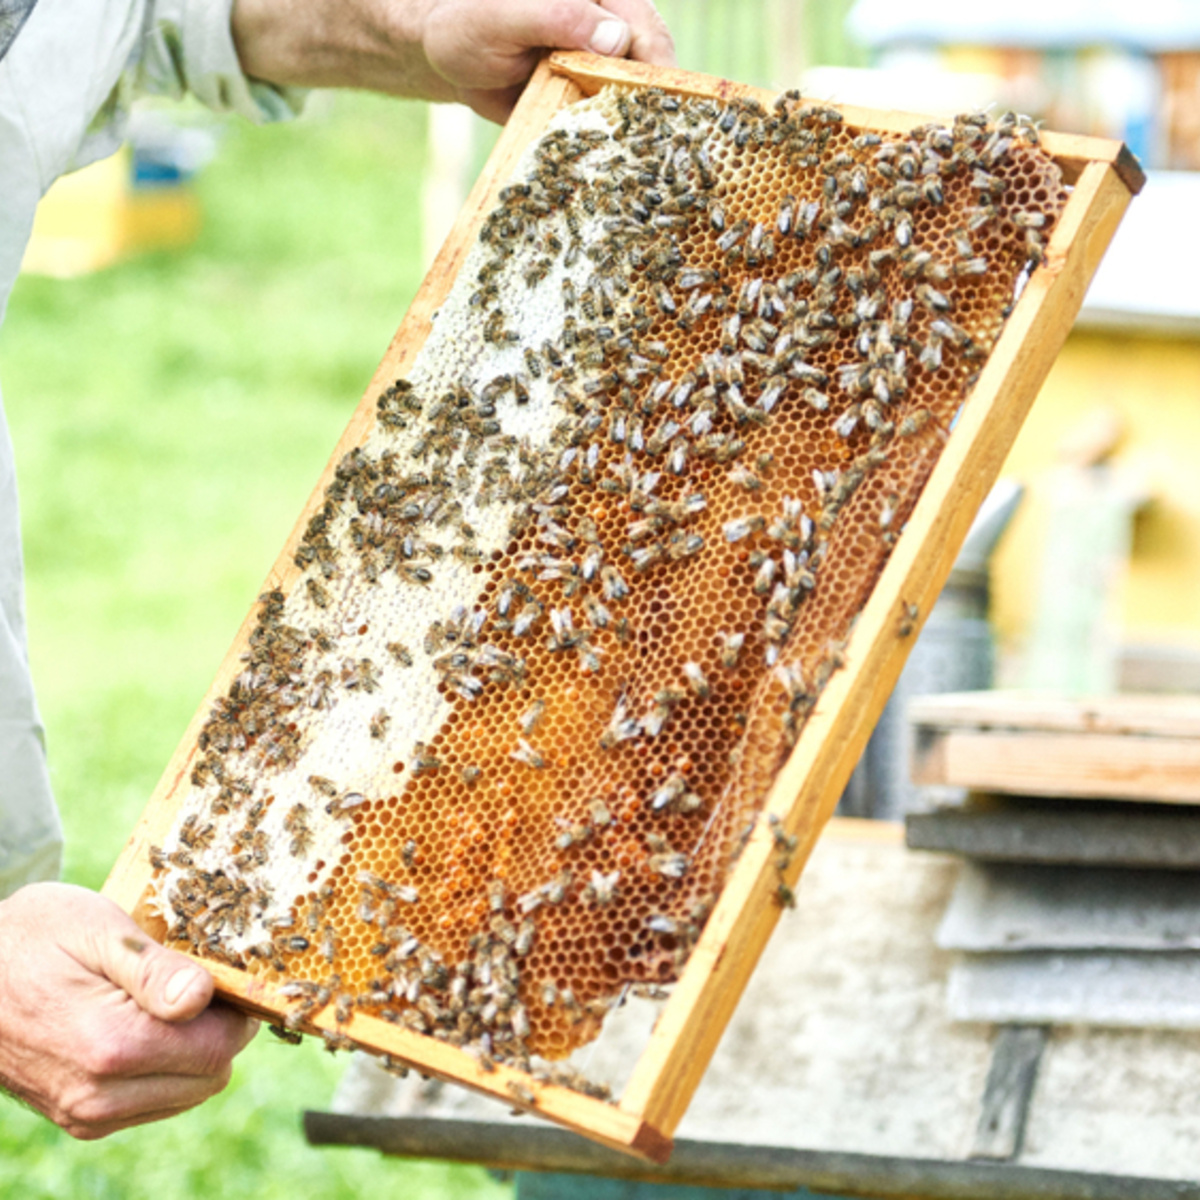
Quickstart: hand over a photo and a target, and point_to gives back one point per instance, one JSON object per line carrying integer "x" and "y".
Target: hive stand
{"x": 1104, "y": 176}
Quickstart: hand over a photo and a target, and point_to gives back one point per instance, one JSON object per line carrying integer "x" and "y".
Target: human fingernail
{"x": 253, "y": 1024}
{"x": 609, "y": 37}
{"x": 178, "y": 984}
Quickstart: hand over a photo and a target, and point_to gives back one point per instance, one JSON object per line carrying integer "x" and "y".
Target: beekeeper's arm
{"x": 100, "y": 1028}
{"x": 478, "y": 52}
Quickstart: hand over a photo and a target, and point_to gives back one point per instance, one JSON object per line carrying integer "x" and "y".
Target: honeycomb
{"x": 563, "y": 611}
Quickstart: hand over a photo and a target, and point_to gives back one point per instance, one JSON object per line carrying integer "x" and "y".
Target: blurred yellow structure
{"x": 1152, "y": 383}
{"x": 1134, "y": 357}
{"x": 97, "y": 216}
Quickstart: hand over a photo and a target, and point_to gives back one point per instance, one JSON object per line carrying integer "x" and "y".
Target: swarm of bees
{"x": 562, "y": 613}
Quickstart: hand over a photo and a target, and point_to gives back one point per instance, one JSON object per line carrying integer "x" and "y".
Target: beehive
{"x": 497, "y": 735}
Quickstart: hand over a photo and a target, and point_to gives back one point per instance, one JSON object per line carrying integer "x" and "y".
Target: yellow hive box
{"x": 95, "y": 217}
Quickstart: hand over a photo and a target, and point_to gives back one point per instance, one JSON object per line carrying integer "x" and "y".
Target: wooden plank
{"x": 731, "y": 1165}
{"x": 808, "y": 786}
{"x": 544, "y": 96}
{"x": 1147, "y": 715}
{"x": 1096, "y": 765}
{"x": 807, "y": 789}
{"x": 1158, "y": 668}
{"x": 1073, "y": 152}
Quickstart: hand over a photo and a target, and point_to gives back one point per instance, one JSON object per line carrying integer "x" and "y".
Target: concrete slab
{"x": 1008, "y": 907}
{"x": 1137, "y": 991}
{"x": 1046, "y": 831}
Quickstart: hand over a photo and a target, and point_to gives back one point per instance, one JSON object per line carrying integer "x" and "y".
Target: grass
{"x": 170, "y": 416}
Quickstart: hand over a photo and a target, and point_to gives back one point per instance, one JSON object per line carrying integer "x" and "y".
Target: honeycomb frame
{"x": 1103, "y": 176}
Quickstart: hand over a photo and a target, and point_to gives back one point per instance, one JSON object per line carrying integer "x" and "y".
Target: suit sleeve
{"x": 66, "y": 84}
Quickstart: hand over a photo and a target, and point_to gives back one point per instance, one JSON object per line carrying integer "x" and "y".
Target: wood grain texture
{"x": 1083, "y": 765}
{"x": 1123, "y": 713}
{"x": 807, "y": 788}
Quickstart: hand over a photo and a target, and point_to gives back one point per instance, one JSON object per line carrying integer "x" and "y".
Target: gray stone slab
{"x": 1053, "y": 832}
{"x": 1141, "y": 991}
{"x": 1011, "y": 907}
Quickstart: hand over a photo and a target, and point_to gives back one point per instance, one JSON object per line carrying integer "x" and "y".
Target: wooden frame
{"x": 1104, "y": 176}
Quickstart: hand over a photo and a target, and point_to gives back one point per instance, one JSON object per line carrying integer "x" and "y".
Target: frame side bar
{"x": 601, "y": 1121}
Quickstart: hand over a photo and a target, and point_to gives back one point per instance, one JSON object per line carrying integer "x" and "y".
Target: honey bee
{"x": 694, "y": 277}
{"x": 525, "y": 753}
{"x": 743, "y": 527}
{"x": 359, "y": 675}
{"x": 523, "y": 943}
{"x": 669, "y": 864}
{"x": 425, "y": 763}
{"x": 934, "y": 300}
{"x": 613, "y": 586}
{"x": 601, "y": 889}
{"x": 532, "y": 716}
{"x": 765, "y": 576}
{"x": 731, "y": 649}
{"x": 317, "y": 594}
{"x": 521, "y": 1094}
{"x": 493, "y": 329}
{"x": 321, "y": 785}
{"x": 401, "y": 653}
{"x": 914, "y": 422}
{"x": 931, "y": 355}
{"x": 379, "y": 723}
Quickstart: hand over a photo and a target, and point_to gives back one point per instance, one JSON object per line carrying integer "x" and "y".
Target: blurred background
{"x": 198, "y": 317}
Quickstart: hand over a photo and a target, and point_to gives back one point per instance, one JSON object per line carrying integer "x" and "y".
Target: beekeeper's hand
{"x": 479, "y": 52}
{"x": 100, "y": 1027}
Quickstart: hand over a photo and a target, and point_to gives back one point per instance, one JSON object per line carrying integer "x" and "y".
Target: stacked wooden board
{"x": 1079, "y": 900}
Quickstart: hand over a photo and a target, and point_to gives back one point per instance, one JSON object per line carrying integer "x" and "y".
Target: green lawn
{"x": 170, "y": 415}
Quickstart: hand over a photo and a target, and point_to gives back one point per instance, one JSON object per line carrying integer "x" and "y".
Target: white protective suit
{"x": 66, "y": 83}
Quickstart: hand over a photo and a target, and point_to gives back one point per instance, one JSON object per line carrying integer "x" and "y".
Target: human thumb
{"x": 610, "y": 36}
{"x": 162, "y": 982}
